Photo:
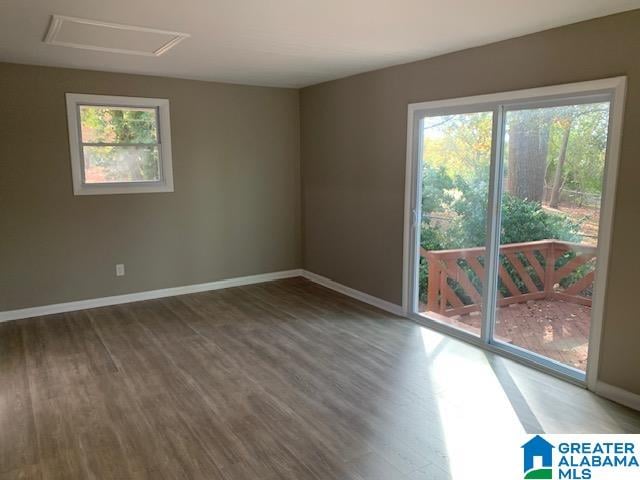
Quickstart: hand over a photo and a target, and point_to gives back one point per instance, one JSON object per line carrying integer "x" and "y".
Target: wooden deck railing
{"x": 544, "y": 269}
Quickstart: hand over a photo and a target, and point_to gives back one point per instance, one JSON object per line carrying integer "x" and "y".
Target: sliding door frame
{"x": 610, "y": 89}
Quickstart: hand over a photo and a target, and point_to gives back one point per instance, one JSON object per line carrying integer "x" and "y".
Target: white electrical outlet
{"x": 120, "y": 270}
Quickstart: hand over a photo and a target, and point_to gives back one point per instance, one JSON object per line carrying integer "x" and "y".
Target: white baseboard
{"x": 618, "y": 395}
{"x": 201, "y": 287}
{"x": 148, "y": 295}
{"x": 350, "y": 292}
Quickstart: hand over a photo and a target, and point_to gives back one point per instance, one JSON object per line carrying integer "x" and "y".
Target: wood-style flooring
{"x": 282, "y": 380}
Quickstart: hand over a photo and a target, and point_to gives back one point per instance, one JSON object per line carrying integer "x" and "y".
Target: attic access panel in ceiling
{"x": 110, "y": 37}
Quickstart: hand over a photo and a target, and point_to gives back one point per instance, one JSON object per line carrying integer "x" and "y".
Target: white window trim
{"x": 165, "y": 184}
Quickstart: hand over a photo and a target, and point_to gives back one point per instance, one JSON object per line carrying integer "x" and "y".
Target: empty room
{"x": 339, "y": 240}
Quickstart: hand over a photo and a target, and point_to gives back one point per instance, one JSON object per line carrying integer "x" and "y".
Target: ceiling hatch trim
{"x": 111, "y": 36}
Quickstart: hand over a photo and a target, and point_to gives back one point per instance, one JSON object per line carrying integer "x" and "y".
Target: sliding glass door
{"x": 505, "y": 219}
{"x": 553, "y": 168}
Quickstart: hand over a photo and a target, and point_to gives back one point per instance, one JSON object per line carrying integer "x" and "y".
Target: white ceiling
{"x": 289, "y": 43}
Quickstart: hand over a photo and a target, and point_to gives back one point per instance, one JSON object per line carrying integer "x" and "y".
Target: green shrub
{"x": 437, "y": 183}
{"x": 522, "y": 221}
{"x": 430, "y": 239}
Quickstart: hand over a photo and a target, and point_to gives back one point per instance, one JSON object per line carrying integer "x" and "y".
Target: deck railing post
{"x": 433, "y": 284}
{"x": 549, "y": 269}
{"x": 442, "y": 274}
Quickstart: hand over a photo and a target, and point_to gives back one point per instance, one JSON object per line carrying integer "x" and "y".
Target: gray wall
{"x": 353, "y": 159}
{"x": 235, "y": 209}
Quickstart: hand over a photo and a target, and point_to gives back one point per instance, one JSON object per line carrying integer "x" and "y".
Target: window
{"x": 508, "y": 219}
{"x": 119, "y": 144}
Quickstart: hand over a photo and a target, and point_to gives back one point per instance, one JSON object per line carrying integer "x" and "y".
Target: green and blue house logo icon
{"x": 539, "y": 448}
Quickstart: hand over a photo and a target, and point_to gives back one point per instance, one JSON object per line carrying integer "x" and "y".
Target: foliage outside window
{"x": 119, "y": 144}
{"x": 554, "y": 166}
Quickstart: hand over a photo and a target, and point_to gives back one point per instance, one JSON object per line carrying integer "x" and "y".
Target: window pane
{"x": 104, "y": 124}
{"x": 554, "y": 160}
{"x": 455, "y": 184}
{"x": 121, "y": 164}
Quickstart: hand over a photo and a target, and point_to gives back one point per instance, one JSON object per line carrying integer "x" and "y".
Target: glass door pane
{"x": 455, "y": 167}
{"x": 553, "y": 164}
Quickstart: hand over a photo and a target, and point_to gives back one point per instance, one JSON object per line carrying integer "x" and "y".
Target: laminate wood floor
{"x": 282, "y": 380}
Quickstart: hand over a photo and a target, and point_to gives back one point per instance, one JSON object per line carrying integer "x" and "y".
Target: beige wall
{"x": 234, "y": 212}
{"x": 353, "y": 159}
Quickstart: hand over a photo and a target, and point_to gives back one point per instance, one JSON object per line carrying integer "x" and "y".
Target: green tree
{"x": 111, "y": 125}
{"x": 458, "y": 143}
{"x": 577, "y": 149}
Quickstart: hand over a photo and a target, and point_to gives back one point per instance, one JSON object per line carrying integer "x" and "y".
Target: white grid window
{"x": 119, "y": 144}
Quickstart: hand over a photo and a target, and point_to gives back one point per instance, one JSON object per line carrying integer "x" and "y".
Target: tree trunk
{"x": 528, "y": 147}
{"x": 557, "y": 178}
